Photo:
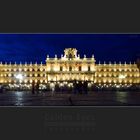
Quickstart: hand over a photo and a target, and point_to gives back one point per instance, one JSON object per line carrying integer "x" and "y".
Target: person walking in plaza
{"x": 37, "y": 87}
{"x": 33, "y": 87}
{"x": 85, "y": 87}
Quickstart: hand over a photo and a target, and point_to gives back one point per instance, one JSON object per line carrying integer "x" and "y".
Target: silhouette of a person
{"x": 80, "y": 87}
{"x": 37, "y": 86}
{"x": 33, "y": 87}
{"x": 85, "y": 87}
{"x": 75, "y": 86}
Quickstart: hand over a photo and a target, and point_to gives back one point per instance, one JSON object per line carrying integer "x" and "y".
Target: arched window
{"x": 79, "y": 68}
{"x": 70, "y": 68}
{"x": 61, "y": 68}
{"x": 88, "y": 68}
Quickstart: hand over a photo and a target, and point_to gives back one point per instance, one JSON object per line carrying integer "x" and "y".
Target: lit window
{"x": 122, "y": 76}
{"x": 19, "y": 76}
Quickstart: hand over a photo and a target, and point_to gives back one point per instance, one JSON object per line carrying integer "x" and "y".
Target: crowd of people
{"x": 79, "y": 87}
{"x": 35, "y": 87}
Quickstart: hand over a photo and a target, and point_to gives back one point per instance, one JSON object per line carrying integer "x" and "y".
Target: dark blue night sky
{"x": 35, "y": 47}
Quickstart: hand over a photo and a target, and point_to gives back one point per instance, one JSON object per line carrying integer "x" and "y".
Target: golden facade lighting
{"x": 69, "y": 67}
{"x": 25, "y": 81}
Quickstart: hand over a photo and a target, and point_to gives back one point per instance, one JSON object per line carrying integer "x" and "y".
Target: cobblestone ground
{"x": 26, "y": 98}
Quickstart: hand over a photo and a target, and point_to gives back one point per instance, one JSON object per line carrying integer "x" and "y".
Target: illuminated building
{"x": 68, "y": 68}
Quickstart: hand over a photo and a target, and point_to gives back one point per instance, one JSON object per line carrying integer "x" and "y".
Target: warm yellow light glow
{"x": 56, "y": 68}
{"x": 120, "y": 69}
{"x": 114, "y": 81}
{"x": 109, "y": 73}
{"x": 115, "y": 70}
{"x": 120, "y": 81}
{"x": 122, "y": 76}
{"x": 48, "y": 68}
{"x": 84, "y": 68}
{"x": 92, "y": 68}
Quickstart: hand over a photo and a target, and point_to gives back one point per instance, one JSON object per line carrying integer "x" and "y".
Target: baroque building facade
{"x": 67, "y": 68}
